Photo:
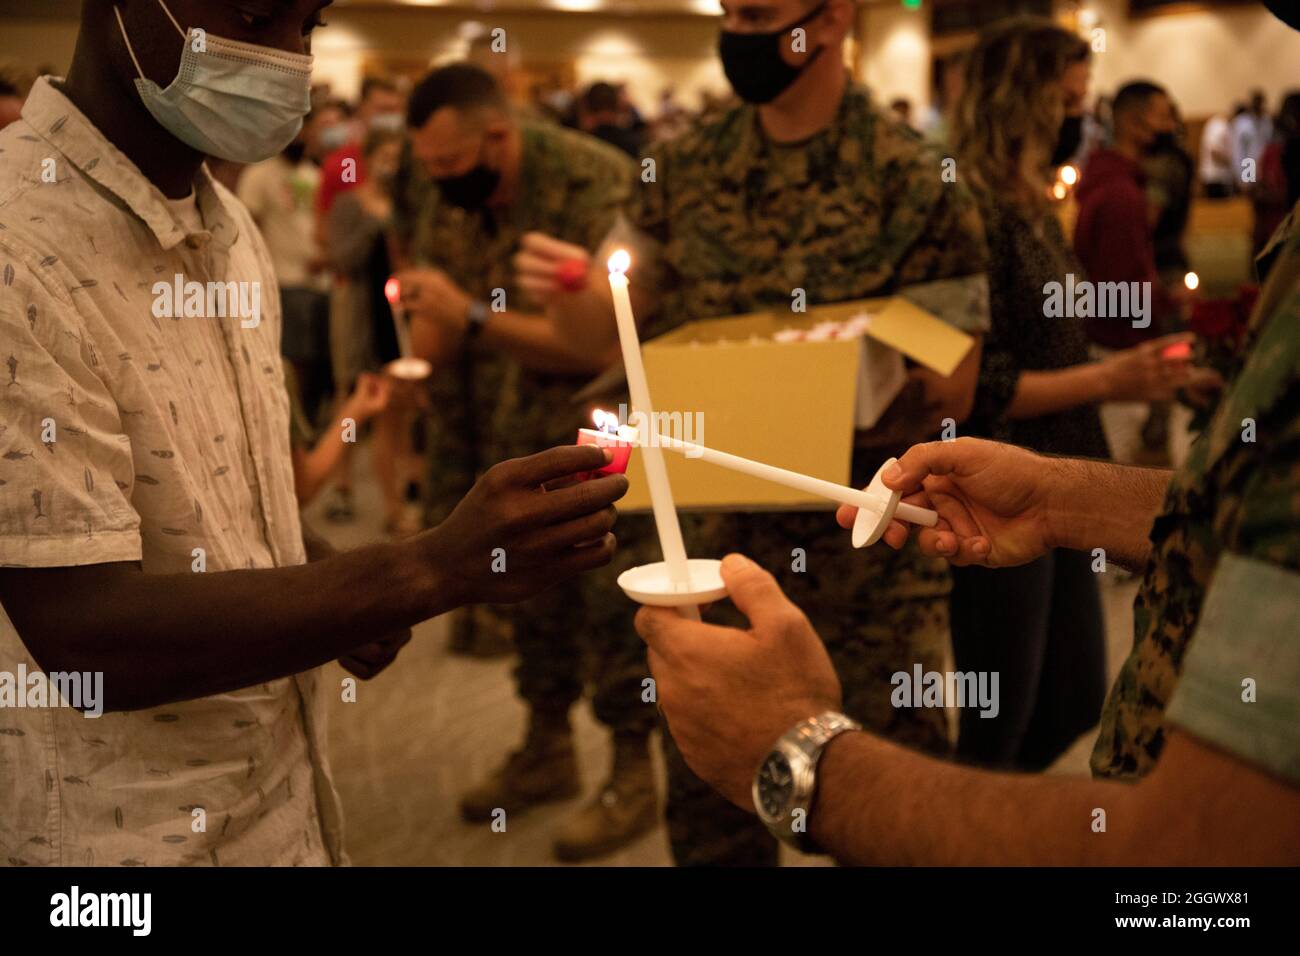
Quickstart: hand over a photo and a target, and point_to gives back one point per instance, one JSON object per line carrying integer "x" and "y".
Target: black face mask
{"x": 753, "y": 62}
{"x": 1068, "y": 140}
{"x": 470, "y": 190}
{"x": 1163, "y": 143}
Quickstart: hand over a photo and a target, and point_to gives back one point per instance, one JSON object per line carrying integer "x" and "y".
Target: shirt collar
{"x": 57, "y": 120}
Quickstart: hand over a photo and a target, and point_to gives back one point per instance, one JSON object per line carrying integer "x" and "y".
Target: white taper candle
{"x": 791, "y": 479}
{"x": 656, "y": 472}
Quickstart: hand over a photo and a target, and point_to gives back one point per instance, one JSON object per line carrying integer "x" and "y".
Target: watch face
{"x": 775, "y": 785}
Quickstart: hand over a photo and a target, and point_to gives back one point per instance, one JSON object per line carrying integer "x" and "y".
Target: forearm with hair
{"x": 535, "y": 343}
{"x": 881, "y": 804}
{"x": 1097, "y": 504}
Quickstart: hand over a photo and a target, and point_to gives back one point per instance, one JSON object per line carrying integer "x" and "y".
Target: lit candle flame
{"x": 1191, "y": 280}
{"x": 619, "y": 262}
{"x": 393, "y": 291}
{"x": 1069, "y": 175}
{"x": 605, "y": 421}
{"x": 1059, "y": 191}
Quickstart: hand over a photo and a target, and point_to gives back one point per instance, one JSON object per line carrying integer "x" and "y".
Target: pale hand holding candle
{"x": 675, "y": 583}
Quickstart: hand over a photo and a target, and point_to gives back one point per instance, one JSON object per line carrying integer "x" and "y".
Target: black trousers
{"x": 1040, "y": 626}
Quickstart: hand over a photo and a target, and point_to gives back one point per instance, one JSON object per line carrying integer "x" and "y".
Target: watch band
{"x": 800, "y": 748}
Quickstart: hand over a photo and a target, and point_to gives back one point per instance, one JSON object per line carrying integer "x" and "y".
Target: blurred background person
{"x": 381, "y": 107}
{"x": 1252, "y": 128}
{"x": 280, "y": 193}
{"x": 1278, "y": 185}
{"x": 506, "y": 383}
{"x": 1216, "y": 169}
{"x": 601, "y": 114}
{"x": 1170, "y": 176}
{"x": 1039, "y": 625}
{"x": 316, "y": 453}
{"x": 1114, "y": 238}
{"x": 359, "y": 254}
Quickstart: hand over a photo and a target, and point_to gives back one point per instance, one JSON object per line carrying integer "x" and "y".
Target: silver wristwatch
{"x": 786, "y": 780}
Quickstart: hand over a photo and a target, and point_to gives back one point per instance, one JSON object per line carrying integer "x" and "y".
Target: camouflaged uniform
{"x": 734, "y": 224}
{"x": 1233, "y": 503}
{"x": 490, "y": 408}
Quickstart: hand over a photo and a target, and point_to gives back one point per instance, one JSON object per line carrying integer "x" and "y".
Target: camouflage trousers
{"x": 577, "y": 636}
{"x": 878, "y": 612}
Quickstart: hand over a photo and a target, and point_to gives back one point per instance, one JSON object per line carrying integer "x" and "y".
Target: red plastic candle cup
{"x": 572, "y": 275}
{"x": 1178, "y": 352}
{"x": 619, "y": 447}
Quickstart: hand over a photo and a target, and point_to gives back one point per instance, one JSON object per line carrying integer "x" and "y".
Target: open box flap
{"x": 920, "y": 336}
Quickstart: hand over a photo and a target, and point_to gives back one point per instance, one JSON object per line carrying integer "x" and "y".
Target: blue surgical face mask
{"x": 232, "y": 100}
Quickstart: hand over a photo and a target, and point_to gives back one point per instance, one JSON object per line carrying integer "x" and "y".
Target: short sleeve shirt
{"x": 737, "y": 223}
{"x": 135, "y": 430}
{"x": 1217, "y": 619}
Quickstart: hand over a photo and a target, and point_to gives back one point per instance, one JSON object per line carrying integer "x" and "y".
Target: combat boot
{"x": 626, "y": 807}
{"x": 543, "y": 770}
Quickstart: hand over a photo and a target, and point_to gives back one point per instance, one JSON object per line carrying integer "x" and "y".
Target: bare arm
{"x": 160, "y": 638}
{"x": 1098, "y": 504}
{"x": 879, "y": 803}
{"x": 1001, "y": 505}
{"x": 1045, "y": 393}
{"x": 531, "y": 340}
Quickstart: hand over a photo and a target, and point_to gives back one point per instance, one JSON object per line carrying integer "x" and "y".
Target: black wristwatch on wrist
{"x": 785, "y": 783}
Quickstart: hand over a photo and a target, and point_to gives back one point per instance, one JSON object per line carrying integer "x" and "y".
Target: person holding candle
{"x": 804, "y": 187}
{"x": 358, "y": 249}
{"x": 153, "y": 537}
{"x": 490, "y": 178}
{"x": 1209, "y": 761}
{"x": 1039, "y": 625}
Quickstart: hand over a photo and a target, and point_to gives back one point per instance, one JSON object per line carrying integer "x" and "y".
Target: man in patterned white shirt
{"x": 148, "y": 528}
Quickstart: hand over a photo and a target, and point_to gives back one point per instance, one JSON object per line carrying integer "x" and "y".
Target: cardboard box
{"x": 728, "y": 384}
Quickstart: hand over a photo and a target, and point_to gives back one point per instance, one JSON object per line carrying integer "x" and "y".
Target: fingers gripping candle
{"x": 656, "y": 472}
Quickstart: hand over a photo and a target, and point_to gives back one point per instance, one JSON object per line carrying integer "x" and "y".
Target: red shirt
{"x": 332, "y": 181}
{"x": 1112, "y": 238}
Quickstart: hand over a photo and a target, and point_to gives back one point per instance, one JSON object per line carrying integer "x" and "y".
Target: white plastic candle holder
{"x": 408, "y": 369}
{"x": 886, "y": 504}
{"x": 651, "y": 584}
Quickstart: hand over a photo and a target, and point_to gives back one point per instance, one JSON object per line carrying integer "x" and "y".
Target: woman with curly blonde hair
{"x": 1039, "y": 626}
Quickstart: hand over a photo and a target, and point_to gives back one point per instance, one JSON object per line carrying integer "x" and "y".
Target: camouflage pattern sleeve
{"x": 933, "y": 225}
